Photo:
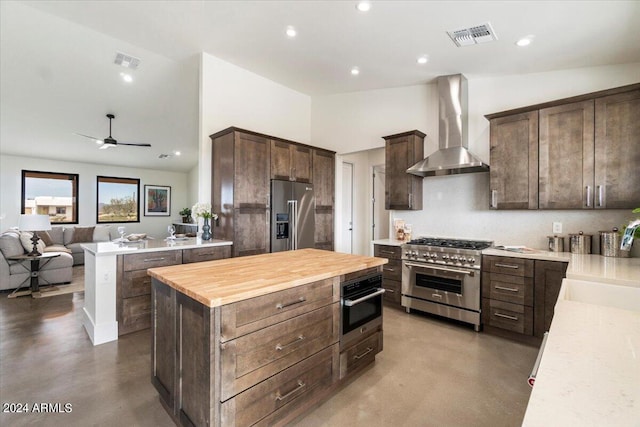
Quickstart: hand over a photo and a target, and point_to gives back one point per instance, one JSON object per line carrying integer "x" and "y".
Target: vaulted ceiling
{"x": 58, "y": 77}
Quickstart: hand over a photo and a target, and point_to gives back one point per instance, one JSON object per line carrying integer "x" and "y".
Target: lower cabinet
{"x": 360, "y": 354}
{"x": 133, "y": 285}
{"x": 518, "y": 294}
{"x": 391, "y": 273}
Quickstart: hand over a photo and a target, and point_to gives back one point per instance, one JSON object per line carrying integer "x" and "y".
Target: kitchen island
{"x": 117, "y": 288}
{"x": 254, "y": 340}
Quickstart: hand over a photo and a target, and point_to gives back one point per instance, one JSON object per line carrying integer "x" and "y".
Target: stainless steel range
{"x": 442, "y": 276}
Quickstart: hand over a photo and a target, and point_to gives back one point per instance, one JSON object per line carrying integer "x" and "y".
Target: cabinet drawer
{"x": 392, "y": 270}
{"x": 507, "y": 265}
{"x": 253, "y": 314}
{"x": 151, "y": 259}
{"x": 205, "y": 254}
{"x": 393, "y": 289}
{"x": 504, "y": 315}
{"x": 503, "y": 287}
{"x": 252, "y": 358}
{"x": 136, "y": 314}
{"x": 270, "y": 400}
{"x": 360, "y": 354}
{"x": 135, "y": 283}
{"x": 387, "y": 251}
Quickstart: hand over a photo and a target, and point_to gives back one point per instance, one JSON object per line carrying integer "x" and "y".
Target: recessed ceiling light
{"x": 355, "y": 71}
{"x": 291, "y": 31}
{"x": 422, "y": 59}
{"x": 126, "y": 77}
{"x": 363, "y": 6}
{"x": 525, "y": 41}
{"x": 177, "y": 153}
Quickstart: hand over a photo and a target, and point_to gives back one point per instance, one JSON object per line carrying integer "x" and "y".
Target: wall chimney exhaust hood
{"x": 453, "y": 155}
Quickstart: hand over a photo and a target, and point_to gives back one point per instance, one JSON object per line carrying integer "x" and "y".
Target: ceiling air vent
{"x": 127, "y": 61}
{"x": 473, "y": 35}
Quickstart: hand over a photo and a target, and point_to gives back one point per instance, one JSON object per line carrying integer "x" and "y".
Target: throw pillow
{"x": 45, "y": 237}
{"x": 101, "y": 233}
{"x": 10, "y": 244}
{"x": 82, "y": 235}
{"x": 57, "y": 248}
{"x": 27, "y": 244}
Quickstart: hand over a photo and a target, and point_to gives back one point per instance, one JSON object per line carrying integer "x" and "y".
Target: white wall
{"x": 457, "y": 206}
{"x": 233, "y": 96}
{"x": 11, "y": 177}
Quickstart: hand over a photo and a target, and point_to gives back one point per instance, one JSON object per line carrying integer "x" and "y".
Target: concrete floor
{"x": 431, "y": 373}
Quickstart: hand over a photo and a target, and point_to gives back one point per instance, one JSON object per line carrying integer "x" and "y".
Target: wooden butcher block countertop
{"x": 216, "y": 283}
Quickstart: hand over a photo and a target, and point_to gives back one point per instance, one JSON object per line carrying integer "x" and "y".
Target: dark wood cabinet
{"x": 585, "y": 154}
{"x": 403, "y": 191}
{"x": 617, "y": 151}
{"x": 566, "y": 156}
{"x": 324, "y": 189}
{"x": 240, "y": 189}
{"x": 290, "y": 161}
{"x": 514, "y": 161}
{"x": 391, "y": 273}
{"x": 548, "y": 279}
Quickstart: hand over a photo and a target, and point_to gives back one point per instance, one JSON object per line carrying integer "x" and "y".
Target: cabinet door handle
{"x": 153, "y": 259}
{"x": 389, "y": 269}
{"x": 387, "y": 252}
{"x": 410, "y": 200}
{"x": 492, "y": 202}
{"x": 300, "y": 386}
{"x": 506, "y": 316}
{"x": 280, "y": 306}
{"x": 599, "y": 188}
{"x": 279, "y": 346}
{"x": 589, "y": 196}
{"x": 515, "y": 267}
{"x": 502, "y": 288}
{"x": 360, "y": 356}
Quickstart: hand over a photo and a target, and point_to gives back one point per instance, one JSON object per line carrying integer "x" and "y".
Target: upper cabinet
{"x": 580, "y": 153}
{"x": 514, "y": 141}
{"x": 403, "y": 191}
{"x": 324, "y": 189}
{"x": 290, "y": 161}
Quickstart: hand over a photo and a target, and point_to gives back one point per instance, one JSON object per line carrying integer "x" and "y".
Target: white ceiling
{"x": 58, "y": 77}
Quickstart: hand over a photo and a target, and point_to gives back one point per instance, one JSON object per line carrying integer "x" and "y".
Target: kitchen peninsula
{"x": 257, "y": 339}
{"x": 117, "y": 289}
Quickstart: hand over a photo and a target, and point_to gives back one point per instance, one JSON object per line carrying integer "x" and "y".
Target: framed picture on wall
{"x": 157, "y": 200}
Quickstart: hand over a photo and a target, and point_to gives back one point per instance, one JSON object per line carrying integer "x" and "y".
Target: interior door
{"x": 346, "y": 245}
{"x": 380, "y": 226}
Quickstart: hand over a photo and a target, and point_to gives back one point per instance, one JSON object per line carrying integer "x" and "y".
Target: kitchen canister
{"x": 610, "y": 244}
{"x": 580, "y": 243}
{"x": 556, "y": 243}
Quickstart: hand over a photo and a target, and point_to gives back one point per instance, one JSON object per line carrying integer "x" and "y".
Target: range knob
{"x": 472, "y": 260}
{"x": 434, "y": 255}
{"x": 463, "y": 259}
{"x": 445, "y": 256}
{"x": 454, "y": 257}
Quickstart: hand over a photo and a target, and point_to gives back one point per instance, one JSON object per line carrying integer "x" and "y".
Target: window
{"x": 118, "y": 200}
{"x": 51, "y": 193}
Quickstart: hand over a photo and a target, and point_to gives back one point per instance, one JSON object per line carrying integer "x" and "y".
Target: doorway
{"x": 346, "y": 244}
{"x": 380, "y": 216}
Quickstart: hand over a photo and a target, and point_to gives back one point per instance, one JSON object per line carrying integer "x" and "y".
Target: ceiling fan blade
{"x": 134, "y": 144}
{"x": 90, "y": 137}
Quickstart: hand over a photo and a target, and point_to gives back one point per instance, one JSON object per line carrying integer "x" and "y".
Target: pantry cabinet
{"x": 403, "y": 191}
{"x": 290, "y": 161}
{"x": 575, "y": 153}
{"x": 324, "y": 190}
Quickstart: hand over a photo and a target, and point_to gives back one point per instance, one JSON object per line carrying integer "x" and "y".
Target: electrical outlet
{"x": 557, "y": 227}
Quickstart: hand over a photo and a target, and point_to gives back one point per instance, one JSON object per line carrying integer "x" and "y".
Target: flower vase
{"x": 206, "y": 230}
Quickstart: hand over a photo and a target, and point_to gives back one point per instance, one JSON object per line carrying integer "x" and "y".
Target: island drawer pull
{"x": 382, "y": 251}
{"x": 515, "y": 267}
{"x": 280, "y": 305}
{"x": 153, "y": 259}
{"x": 506, "y": 316}
{"x": 279, "y": 347}
{"x": 301, "y": 385}
{"x": 390, "y": 290}
{"x": 389, "y": 269}
{"x": 360, "y": 356}
{"x": 502, "y": 288}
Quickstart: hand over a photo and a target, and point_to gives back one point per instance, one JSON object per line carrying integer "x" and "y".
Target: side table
{"x": 36, "y": 263}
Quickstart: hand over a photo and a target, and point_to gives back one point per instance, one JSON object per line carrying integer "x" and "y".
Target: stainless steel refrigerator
{"x": 292, "y": 215}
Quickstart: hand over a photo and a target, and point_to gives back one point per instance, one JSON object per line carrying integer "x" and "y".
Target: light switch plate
{"x": 557, "y": 227}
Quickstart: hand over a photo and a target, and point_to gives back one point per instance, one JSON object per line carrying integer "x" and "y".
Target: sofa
{"x": 65, "y": 240}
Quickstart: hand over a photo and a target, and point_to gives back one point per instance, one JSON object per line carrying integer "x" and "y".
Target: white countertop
{"x": 390, "y": 242}
{"x": 155, "y": 245}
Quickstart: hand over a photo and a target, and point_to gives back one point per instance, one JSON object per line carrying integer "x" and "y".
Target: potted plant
{"x": 186, "y": 215}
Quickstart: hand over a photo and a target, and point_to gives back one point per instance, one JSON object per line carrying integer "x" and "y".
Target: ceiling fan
{"x": 109, "y": 141}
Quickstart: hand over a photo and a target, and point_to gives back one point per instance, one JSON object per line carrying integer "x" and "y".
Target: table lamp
{"x": 34, "y": 223}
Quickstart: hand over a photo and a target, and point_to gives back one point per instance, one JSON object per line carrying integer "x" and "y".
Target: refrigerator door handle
{"x": 293, "y": 224}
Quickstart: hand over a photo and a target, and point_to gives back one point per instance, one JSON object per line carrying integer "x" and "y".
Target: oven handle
{"x": 351, "y": 303}
{"x": 451, "y": 270}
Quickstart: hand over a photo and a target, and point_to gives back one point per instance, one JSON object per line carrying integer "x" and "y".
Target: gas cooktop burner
{"x": 451, "y": 243}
